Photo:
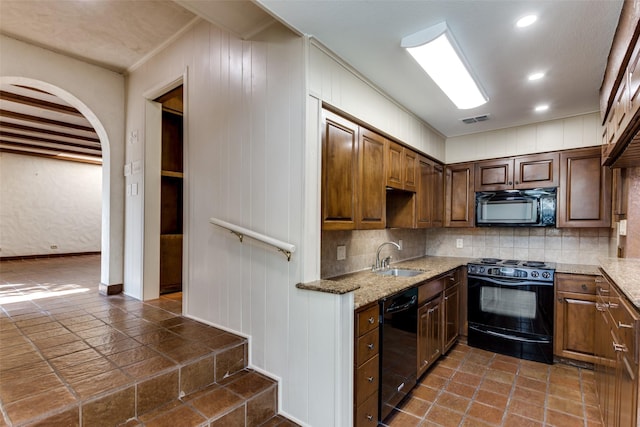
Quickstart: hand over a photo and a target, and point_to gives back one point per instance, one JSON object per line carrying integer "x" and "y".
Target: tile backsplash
{"x": 566, "y": 245}
{"x": 361, "y": 246}
{"x": 569, "y": 245}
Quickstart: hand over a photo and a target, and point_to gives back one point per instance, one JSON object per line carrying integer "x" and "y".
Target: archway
{"x": 105, "y": 146}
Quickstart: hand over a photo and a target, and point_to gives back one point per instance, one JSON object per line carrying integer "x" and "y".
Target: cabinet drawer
{"x": 430, "y": 289}
{"x": 367, "y": 380}
{"x": 452, "y": 278}
{"x": 576, "y": 283}
{"x": 367, "y": 320}
{"x": 367, "y": 346}
{"x": 367, "y": 413}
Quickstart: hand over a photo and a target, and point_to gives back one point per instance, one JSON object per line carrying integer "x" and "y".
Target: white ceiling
{"x": 570, "y": 42}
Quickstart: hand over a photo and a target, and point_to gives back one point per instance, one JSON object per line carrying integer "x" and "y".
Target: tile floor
{"x": 476, "y": 388}
{"x": 69, "y": 356}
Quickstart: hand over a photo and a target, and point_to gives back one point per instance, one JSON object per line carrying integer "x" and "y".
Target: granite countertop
{"x": 369, "y": 287}
{"x": 577, "y": 269}
{"x": 625, "y": 273}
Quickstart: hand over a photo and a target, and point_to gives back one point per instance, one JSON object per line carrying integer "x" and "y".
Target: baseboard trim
{"x": 110, "y": 289}
{"x": 25, "y": 257}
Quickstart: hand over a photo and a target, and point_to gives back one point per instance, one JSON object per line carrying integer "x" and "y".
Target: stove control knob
{"x": 481, "y": 270}
{"x": 472, "y": 269}
{"x": 534, "y": 274}
{"x": 546, "y": 275}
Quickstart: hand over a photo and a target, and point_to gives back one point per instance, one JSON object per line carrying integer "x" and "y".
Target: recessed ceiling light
{"x": 525, "y": 21}
{"x": 535, "y": 76}
{"x": 543, "y": 107}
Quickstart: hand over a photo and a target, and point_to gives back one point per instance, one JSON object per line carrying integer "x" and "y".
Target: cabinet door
{"x": 437, "y": 201}
{"x": 575, "y": 326}
{"x": 459, "y": 195}
{"x": 538, "y": 170}
{"x": 339, "y": 172}
{"x": 429, "y": 335}
{"x": 451, "y": 317}
{"x": 425, "y": 193}
{"x": 494, "y": 175}
{"x": 410, "y": 170}
{"x": 627, "y": 390}
{"x": 395, "y": 157}
{"x": 584, "y": 199}
{"x": 371, "y": 202}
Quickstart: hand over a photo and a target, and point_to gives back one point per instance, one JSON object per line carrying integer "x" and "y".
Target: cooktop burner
{"x": 513, "y": 268}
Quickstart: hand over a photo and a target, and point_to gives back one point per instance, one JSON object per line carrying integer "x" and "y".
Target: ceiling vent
{"x": 482, "y": 118}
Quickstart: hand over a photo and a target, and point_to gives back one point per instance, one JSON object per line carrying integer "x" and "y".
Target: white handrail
{"x": 286, "y": 248}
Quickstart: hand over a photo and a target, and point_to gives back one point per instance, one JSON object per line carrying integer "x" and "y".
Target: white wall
{"x": 48, "y": 202}
{"x": 99, "y": 95}
{"x": 245, "y": 114}
{"x": 334, "y": 82}
{"x": 562, "y": 134}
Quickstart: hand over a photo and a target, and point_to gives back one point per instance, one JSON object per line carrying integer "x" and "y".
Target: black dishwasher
{"x": 399, "y": 357}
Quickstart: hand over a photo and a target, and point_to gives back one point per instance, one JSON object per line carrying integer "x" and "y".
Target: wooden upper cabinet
{"x": 371, "y": 209}
{"x": 584, "y": 198}
{"x": 536, "y": 171}
{"x": 492, "y": 175}
{"x": 429, "y": 203}
{"x": 402, "y": 167}
{"x": 523, "y": 172}
{"x": 340, "y": 139}
{"x": 459, "y": 195}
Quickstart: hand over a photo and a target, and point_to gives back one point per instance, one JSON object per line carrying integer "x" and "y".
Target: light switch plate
{"x": 342, "y": 252}
{"x": 623, "y": 227}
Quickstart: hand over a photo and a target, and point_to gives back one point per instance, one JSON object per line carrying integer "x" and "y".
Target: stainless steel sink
{"x": 402, "y": 272}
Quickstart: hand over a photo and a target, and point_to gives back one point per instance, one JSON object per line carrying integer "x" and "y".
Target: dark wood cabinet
{"x": 340, "y": 139}
{"x": 429, "y": 197}
{"x": 371, "y": 212}
{"x": 574, "y": 318}
{"x": 459, "y": 195}
{"x": 522, "y": 172}
{"x": 429, "y": 333}
{"x": 353, "y": 176}
{"x": 584, "y": 197}
{"x": 366, "y": 365}
{"x": 451, "y": 310}
{"x": 616, "y": 370}
{"x": 402, "y": 167}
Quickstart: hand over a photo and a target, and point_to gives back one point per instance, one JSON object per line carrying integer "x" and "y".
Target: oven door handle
{"x": 515, "y": 283}
{"x": 511, "y": 337}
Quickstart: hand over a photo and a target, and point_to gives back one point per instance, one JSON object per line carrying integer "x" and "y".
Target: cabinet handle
{"x": 453, "y": 279}
{"x": 601, "y": 307}
{"x": 510, "y": 182}
{"x": 370, "y": 417}
{"x": 370, "y": 379}
{"x": 371, "y": 320}
{"x": 624, "y": 325}
{"x": 602, "y": 291}
{"x": 517, "y": 182}
{"x": 613, "y": 305}
{"x": 370, "y": 346}
{"x": 619, "y": 347}
{"x": 584, "y": 286}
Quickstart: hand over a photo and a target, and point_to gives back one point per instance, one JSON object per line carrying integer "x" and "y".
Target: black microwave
{"x": 528, "y": 208}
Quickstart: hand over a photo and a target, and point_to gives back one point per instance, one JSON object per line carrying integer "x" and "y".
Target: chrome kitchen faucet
{"x": 385, "y": 263}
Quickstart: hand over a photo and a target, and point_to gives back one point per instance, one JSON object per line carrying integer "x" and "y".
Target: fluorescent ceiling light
{"x": 543, "y": 107}
{"x": 536, "y": 76}
{"x": 437, "y": 53}
{"x": 525, "y": 21}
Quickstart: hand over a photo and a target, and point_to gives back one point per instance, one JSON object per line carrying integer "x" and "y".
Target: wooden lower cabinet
{"x": 429, "y": 333}
{"x": 366, "y": 365}
{"x": 451, "y": 317}
{"x": 574, "y": 319}
{"x": 616, "y": 348}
